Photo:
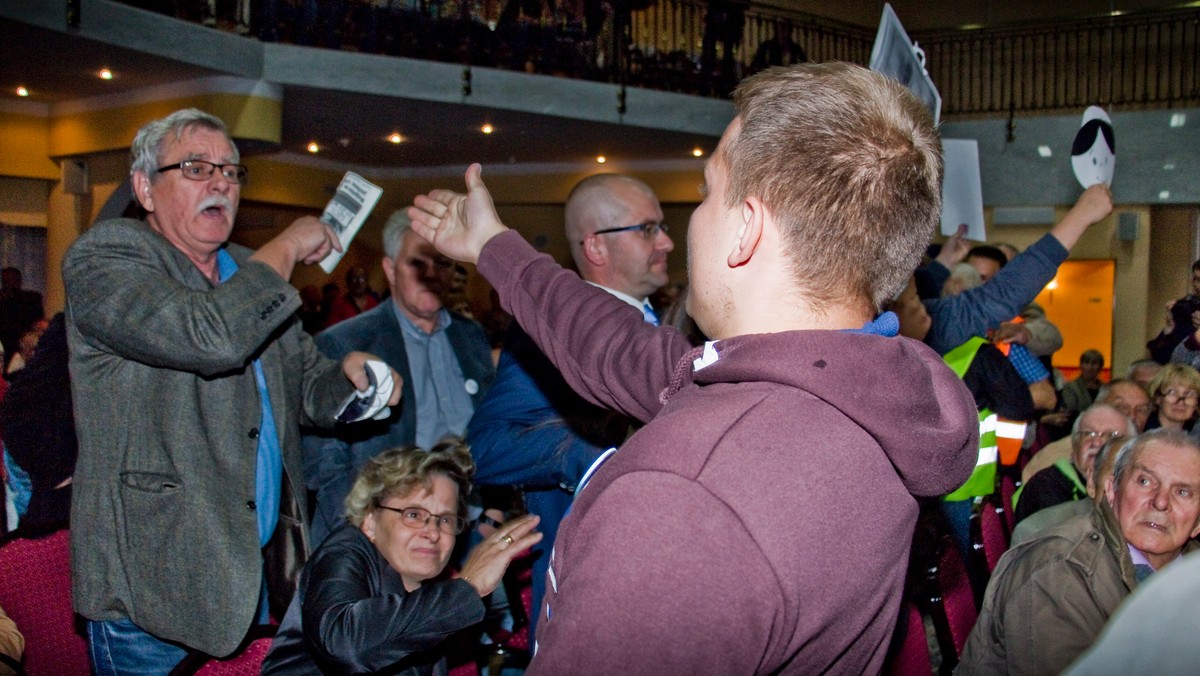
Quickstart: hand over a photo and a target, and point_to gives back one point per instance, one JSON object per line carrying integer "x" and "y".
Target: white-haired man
{"x": 191, "y": 377}
{"x": 443, "y": 358}
{"x": 1049, "y": 598}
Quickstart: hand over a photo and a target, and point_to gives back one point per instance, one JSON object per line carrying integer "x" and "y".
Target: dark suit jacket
{"x": 332, "y": 458}
{"x": 533, "y": 431}
{"x": 163, "y": 523}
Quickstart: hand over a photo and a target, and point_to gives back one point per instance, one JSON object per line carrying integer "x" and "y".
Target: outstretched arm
{"x": 602, "y": 346}
{"x": 1092, "y": 207}
{"x": 306, "y": 240}
{"x": 458, "y": 225}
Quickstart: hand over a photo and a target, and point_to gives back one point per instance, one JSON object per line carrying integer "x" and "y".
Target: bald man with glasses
{"x": 532, "y": 431}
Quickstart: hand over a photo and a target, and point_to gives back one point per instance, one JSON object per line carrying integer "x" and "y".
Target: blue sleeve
{"x": 1028, "y": 366}
{"x": 930, "y": 279}
{"x": 518, "y": 435}
{"x": 972, "y": 313}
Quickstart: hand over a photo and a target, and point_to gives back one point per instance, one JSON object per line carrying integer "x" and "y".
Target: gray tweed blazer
{"x": 163, "y": 521}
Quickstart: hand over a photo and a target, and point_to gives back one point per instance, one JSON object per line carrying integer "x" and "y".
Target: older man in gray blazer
{"x": 190, "y": 377}
{"x": 443, "y": 357}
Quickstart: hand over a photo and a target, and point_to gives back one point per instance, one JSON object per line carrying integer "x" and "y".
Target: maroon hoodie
{"x": 761, "y": 520}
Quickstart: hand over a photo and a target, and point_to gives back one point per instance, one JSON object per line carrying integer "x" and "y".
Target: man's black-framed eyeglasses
{"x": 649, "y": 229}
{"x": 1088, "y": 435}
{"x": 418, "y": 517}
{"x": 202, "y": 170}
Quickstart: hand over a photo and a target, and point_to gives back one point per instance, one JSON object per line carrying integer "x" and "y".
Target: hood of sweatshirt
{"x": 898, "y": 390}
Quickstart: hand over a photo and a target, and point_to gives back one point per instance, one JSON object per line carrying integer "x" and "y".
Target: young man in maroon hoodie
{"x": 760, "y": 521}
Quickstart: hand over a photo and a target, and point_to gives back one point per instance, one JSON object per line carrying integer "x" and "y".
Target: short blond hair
{"x": 399, "y": 471}
{"x": 850, "y": 164}
{"x": 1173, "y": 373}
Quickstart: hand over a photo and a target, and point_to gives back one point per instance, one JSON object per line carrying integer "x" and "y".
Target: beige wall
{"x": 1172, "y": 247}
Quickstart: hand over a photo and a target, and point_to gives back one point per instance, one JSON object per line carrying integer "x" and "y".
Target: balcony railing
{"x": 1135, "y": 61}
{"x": 1143, "y": 60}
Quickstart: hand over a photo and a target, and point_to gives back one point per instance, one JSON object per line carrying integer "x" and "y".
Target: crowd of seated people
{"x": 672, "y": 461}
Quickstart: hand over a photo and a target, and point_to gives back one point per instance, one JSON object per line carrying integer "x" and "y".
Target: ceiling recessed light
{"x": 1178, "y": 119}
{"x": 697, "y": 152}
{"x": 1164, "y": 195}
{"x": 21, "y": 91}
{"x": 105, "y": 74}
{"x": 313, "y": 147}
{"x": 1169, "y": 166}
{"x": 1045, "y": 151}
{"x": 487, "y": 129}
{"x": 600, "y": 159}
{"x": 395, "y": 137}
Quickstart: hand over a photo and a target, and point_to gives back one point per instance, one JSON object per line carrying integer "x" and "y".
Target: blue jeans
{"x": 121, "y": 647}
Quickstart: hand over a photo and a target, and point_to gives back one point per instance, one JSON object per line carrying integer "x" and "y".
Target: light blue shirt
{"x": 443, "y": 403}
{"x": 268, "y": 475}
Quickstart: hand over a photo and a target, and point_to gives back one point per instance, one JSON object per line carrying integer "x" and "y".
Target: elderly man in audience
{"x": 1154, "y": 632}
{"x": 1100, "y": 469}
{"x": 532, "y": 430}
{"x": 716, "y": 518}
{"x": 444, "y": 359}
{"x": 1066, "y": 479}
{"x": 1143, "y": 371}
{"x": 191, "y": 376}
{"x": 1124, "y": 395}
{"x": 1049, "y": 598}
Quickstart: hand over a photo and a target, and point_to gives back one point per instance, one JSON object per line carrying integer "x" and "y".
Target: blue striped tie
{"x": 648, "y": 313}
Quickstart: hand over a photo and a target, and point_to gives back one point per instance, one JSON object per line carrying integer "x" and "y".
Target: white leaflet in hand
{"x": 372, "y": 402}
{"x": 347, "y": 211}
{"x": 962, "y": 189}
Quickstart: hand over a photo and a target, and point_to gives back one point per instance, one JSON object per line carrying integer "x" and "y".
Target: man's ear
{"x": 749, "y": 232}
{"x": 1110, "y": 490}
{"x": 595, "y": 251}
{"x": 389, "y": 269}
{"x": 141, "y": 190}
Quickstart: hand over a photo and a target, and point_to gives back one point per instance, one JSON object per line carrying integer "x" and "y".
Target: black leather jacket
{"x": 352, "y": 614}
